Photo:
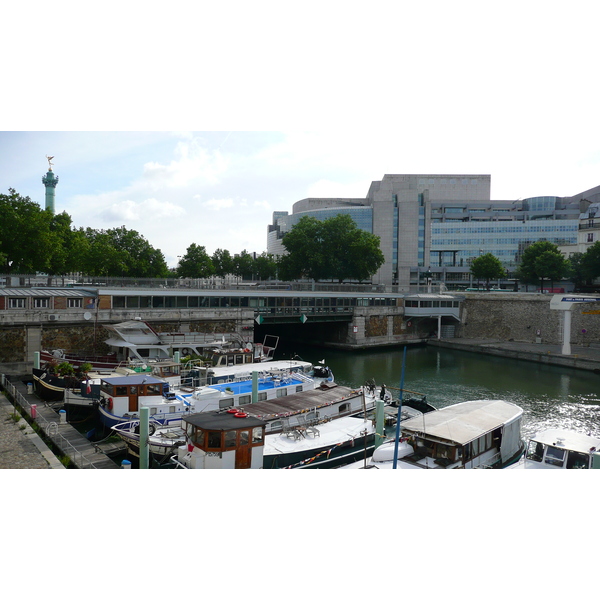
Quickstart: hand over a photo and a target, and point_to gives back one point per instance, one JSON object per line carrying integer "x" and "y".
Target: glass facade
{"x": 453, "y": 244}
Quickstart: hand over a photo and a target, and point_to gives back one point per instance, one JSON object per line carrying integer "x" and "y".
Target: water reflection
{"x": 550, "y": 396}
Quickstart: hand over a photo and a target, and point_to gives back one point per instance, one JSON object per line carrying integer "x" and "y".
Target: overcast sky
{"x": 194, "y": 125}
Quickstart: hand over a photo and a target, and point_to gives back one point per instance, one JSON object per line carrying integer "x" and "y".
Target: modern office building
{"x": 442, "y": 222}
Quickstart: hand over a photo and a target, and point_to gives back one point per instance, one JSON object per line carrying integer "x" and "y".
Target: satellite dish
{"x": 87, "y": 316}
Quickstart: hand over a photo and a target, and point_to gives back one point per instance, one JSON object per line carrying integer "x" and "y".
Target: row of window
{"x": 449, "y": 229}
{"x": 243, "y": 302}
{"x": 43, "y": 303}
{"x": 487, "y": 242}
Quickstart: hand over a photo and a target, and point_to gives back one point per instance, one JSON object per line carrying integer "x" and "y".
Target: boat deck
{"x": 285, "y": 406}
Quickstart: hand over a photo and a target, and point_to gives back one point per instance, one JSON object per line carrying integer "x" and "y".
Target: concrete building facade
{"x": 440, "y": 223}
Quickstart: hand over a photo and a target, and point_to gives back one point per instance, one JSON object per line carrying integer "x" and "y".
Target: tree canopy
{"x": 33, "y": 240}
{"x": 331, "y": 249}
{"x": 196, "y": 263}
{"x": 542, "y": 260}
{"x": 487, "y": 267}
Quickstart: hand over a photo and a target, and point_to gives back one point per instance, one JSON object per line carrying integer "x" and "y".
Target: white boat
{"x": 477, "y": 434}
{"x": 137, "y": 341}
{"x": 198, "y": 375}
{"x": 320, "y": 428}
{"x": 123, "y": 397}
{"x": 562, "y": 449}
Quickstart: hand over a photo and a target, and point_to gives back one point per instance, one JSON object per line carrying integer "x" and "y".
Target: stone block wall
{"x": 525, "y": 318}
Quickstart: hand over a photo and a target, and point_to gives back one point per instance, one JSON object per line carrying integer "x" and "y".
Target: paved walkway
{"x": 20, "y": 446}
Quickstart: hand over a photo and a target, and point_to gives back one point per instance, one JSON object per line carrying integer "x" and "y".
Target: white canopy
{"x": 464, "y": 422}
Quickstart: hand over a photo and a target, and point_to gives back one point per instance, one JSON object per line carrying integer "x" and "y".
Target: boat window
{"x": 171, "y": 409}
{"x": 154, "y": 389}
{"x": 198, "y": 437}
{"x": 121, "y": 390}
{"x": 298, "y": 388}
{"x": 577, "y": 460}
{"x": 214, "y": 439}
{"x": 244, "y": 437}
{"x": 230, "y": 439}
{"x": 245, "y": 399}
{"x": 257, "y": 435}
{"x": 226, "y": 403}
{"x": 535, "y": 451}
{"x": 152, "y": 411}
{"x": 281, "y": 392}
{"x": 555, "y": 456}
{"x": 344, "y": 407}
{"x": 262, "y": 396}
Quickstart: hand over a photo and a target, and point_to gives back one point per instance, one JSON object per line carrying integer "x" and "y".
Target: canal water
{"x": 550, "y": 396}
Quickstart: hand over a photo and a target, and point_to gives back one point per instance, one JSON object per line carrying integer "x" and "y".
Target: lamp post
{"x": 429, "y": 278}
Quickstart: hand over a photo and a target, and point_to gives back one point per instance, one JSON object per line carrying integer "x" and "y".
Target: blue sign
{"x": 575, "y": 299}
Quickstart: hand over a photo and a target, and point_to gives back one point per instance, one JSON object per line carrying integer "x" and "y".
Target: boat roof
{"x": 464, "y": 422}
{"x": 324, "y": 395}
{"x": 222, "y": 421}
{"x": 568, "y": 439}
{"x": 132, "y": 380}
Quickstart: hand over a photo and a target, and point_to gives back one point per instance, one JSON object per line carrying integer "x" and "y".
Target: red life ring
{"x": 233, "y": 411}
{"x": 240, "y": 415}
{"x": 110, "y": 404}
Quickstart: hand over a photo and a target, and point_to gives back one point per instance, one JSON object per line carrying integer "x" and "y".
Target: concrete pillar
{"x": 566, "y": 347}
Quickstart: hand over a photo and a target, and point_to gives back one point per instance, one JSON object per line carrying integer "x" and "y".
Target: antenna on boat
{"x": 397, "y": 437}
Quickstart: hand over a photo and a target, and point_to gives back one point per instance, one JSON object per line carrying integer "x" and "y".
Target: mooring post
{"x": 254, "y": 386}
{"x": 379, "y": 404}
{"x": 144, "y": 426}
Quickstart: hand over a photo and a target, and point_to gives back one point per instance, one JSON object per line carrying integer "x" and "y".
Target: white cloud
{"x": 217, "y": 204}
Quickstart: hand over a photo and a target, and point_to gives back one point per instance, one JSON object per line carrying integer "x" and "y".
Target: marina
{"x": 551, "y": 397}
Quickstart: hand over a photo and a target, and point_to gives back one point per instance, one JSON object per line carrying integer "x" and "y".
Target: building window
{"x": 16, "y": 303}
{"x": 590, "y": 237}
{"x": 40, "y": 302}
{"x": 74, "y": 302}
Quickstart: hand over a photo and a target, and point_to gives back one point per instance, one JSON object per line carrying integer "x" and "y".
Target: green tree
{"x": 304, "y": 250}
{"x": 591, "y": 262}
{"x": 550, "y": 265}
{"x": 25, "y": 237}
{"x": 223, "y": 262}
{"x": 243, "y": 265}
{"x": 265, "y": 266}
{"x": 122, "y": 253}
{"x": 531, "y": 271}
{"x": 486, "y": 267}
{"x": 69, "y": 246}
{"x": 196, "y": 263}
{"x": 331, "y": 249}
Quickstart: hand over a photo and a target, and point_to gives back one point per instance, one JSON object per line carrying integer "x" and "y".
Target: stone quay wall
{"x": 522, "y": 317}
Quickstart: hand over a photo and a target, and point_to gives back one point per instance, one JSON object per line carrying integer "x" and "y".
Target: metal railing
{"x": 50, "y": 428}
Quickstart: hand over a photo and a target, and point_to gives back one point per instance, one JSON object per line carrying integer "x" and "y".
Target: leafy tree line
{"x": 33, "y": 240}
{"x": 542, "y": 262}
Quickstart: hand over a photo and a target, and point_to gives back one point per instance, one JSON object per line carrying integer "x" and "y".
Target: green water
{"x": 549, "y": 396}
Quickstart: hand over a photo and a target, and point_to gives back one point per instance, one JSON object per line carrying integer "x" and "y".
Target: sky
{"x": 193, "y": 125}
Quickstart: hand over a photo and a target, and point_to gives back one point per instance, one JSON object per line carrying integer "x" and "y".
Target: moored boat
{"x": 321, "y": 428}
{"x": 122, "y": 398}
{"x": 562, "y": 449}
{"x": 476, "y": 434}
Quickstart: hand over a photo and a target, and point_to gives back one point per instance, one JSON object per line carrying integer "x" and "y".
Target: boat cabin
{"x": 563, "y": 449}
{"x": 223, "y": 440}
{"x": 125, "y": 394}
{"x": 473, "y": 434}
